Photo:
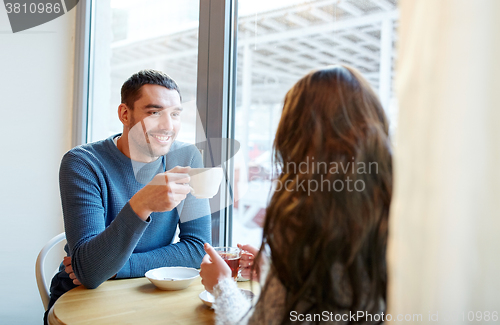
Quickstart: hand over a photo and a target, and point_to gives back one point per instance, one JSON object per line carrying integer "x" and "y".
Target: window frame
{"x": 215, "y": 102}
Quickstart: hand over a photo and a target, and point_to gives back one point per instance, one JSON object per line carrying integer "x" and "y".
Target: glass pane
{"x": 131, "y": 35}
{"x": 279, "y": 41}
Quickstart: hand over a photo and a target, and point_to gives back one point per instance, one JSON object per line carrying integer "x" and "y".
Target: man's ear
{"x": 124, "y": 114}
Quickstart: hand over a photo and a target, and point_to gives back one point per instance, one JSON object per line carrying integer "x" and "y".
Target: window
{"x": 278, "y": 43}
{"x": 133, "y": 35}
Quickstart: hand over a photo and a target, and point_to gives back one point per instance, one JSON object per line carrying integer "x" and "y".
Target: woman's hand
{"x": 213, "y": 269}
{"x": 247, "y": 257}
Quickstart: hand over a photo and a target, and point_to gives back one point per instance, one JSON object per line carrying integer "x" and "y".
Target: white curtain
{"x": 444, "y": 241}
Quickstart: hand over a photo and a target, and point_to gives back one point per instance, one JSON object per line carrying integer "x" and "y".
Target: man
{"x": 123, "y": 197}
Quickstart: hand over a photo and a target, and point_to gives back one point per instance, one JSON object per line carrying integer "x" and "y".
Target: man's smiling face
{"x": 154, "y": 122}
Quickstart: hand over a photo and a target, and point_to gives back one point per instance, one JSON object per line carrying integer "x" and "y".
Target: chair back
{"x": 43, "y": 286}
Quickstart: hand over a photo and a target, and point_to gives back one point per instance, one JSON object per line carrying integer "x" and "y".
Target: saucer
{"x": 208, "y": 299}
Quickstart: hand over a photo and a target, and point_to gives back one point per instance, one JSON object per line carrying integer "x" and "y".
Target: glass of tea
{"x": 232, "y": 257}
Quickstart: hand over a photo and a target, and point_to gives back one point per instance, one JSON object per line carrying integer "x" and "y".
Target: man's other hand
{"x": 69, "y": 270}
{"x": 163, "y": 193}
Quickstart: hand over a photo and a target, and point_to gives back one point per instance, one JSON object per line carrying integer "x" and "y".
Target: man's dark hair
{"x": 131, "y": 88}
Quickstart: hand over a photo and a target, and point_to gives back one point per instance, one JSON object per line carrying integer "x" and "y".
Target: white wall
{"x": 36, "y": 89}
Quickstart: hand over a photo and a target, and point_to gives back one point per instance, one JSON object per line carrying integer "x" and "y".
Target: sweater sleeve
{"x": 187, "y": 252}
{"x": 231, "y": 306}
{"x": 97, "y": 252}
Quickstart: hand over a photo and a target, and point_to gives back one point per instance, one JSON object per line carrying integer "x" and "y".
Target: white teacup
{"x": 205, "y": 181}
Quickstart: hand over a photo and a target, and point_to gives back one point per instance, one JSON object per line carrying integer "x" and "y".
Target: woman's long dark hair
{"x": 334, "y": 124}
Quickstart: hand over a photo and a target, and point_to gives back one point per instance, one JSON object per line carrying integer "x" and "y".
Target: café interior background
{"x": 444, "y": 220}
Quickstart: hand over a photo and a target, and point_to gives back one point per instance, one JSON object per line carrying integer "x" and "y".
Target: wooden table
{"x": 134, "y": 301}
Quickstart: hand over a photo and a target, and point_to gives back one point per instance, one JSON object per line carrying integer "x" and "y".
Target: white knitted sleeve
{"x": 231, "y": 306}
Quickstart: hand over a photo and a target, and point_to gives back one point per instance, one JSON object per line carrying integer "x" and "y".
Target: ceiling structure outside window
{"x": 287, "y": 43}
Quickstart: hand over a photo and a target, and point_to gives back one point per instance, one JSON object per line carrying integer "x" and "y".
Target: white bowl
{"x": 172, "y": 278}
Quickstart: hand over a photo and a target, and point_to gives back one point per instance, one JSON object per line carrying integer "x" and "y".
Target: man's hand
{"x": 213, "y": 269}
{"x": 163, "y": 193}
{"x": 69, "y": 270}
{"x": 246, "y": 262}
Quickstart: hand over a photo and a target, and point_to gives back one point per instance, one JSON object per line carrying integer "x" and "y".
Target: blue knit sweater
{"x": 105, "y": 236}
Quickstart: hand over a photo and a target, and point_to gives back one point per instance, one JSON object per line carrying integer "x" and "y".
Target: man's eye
{"x": 176, "y": 114}
{"x": 155, "y": 113}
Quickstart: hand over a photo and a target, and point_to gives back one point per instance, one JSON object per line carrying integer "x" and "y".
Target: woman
{"x": 325, "y": 227}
